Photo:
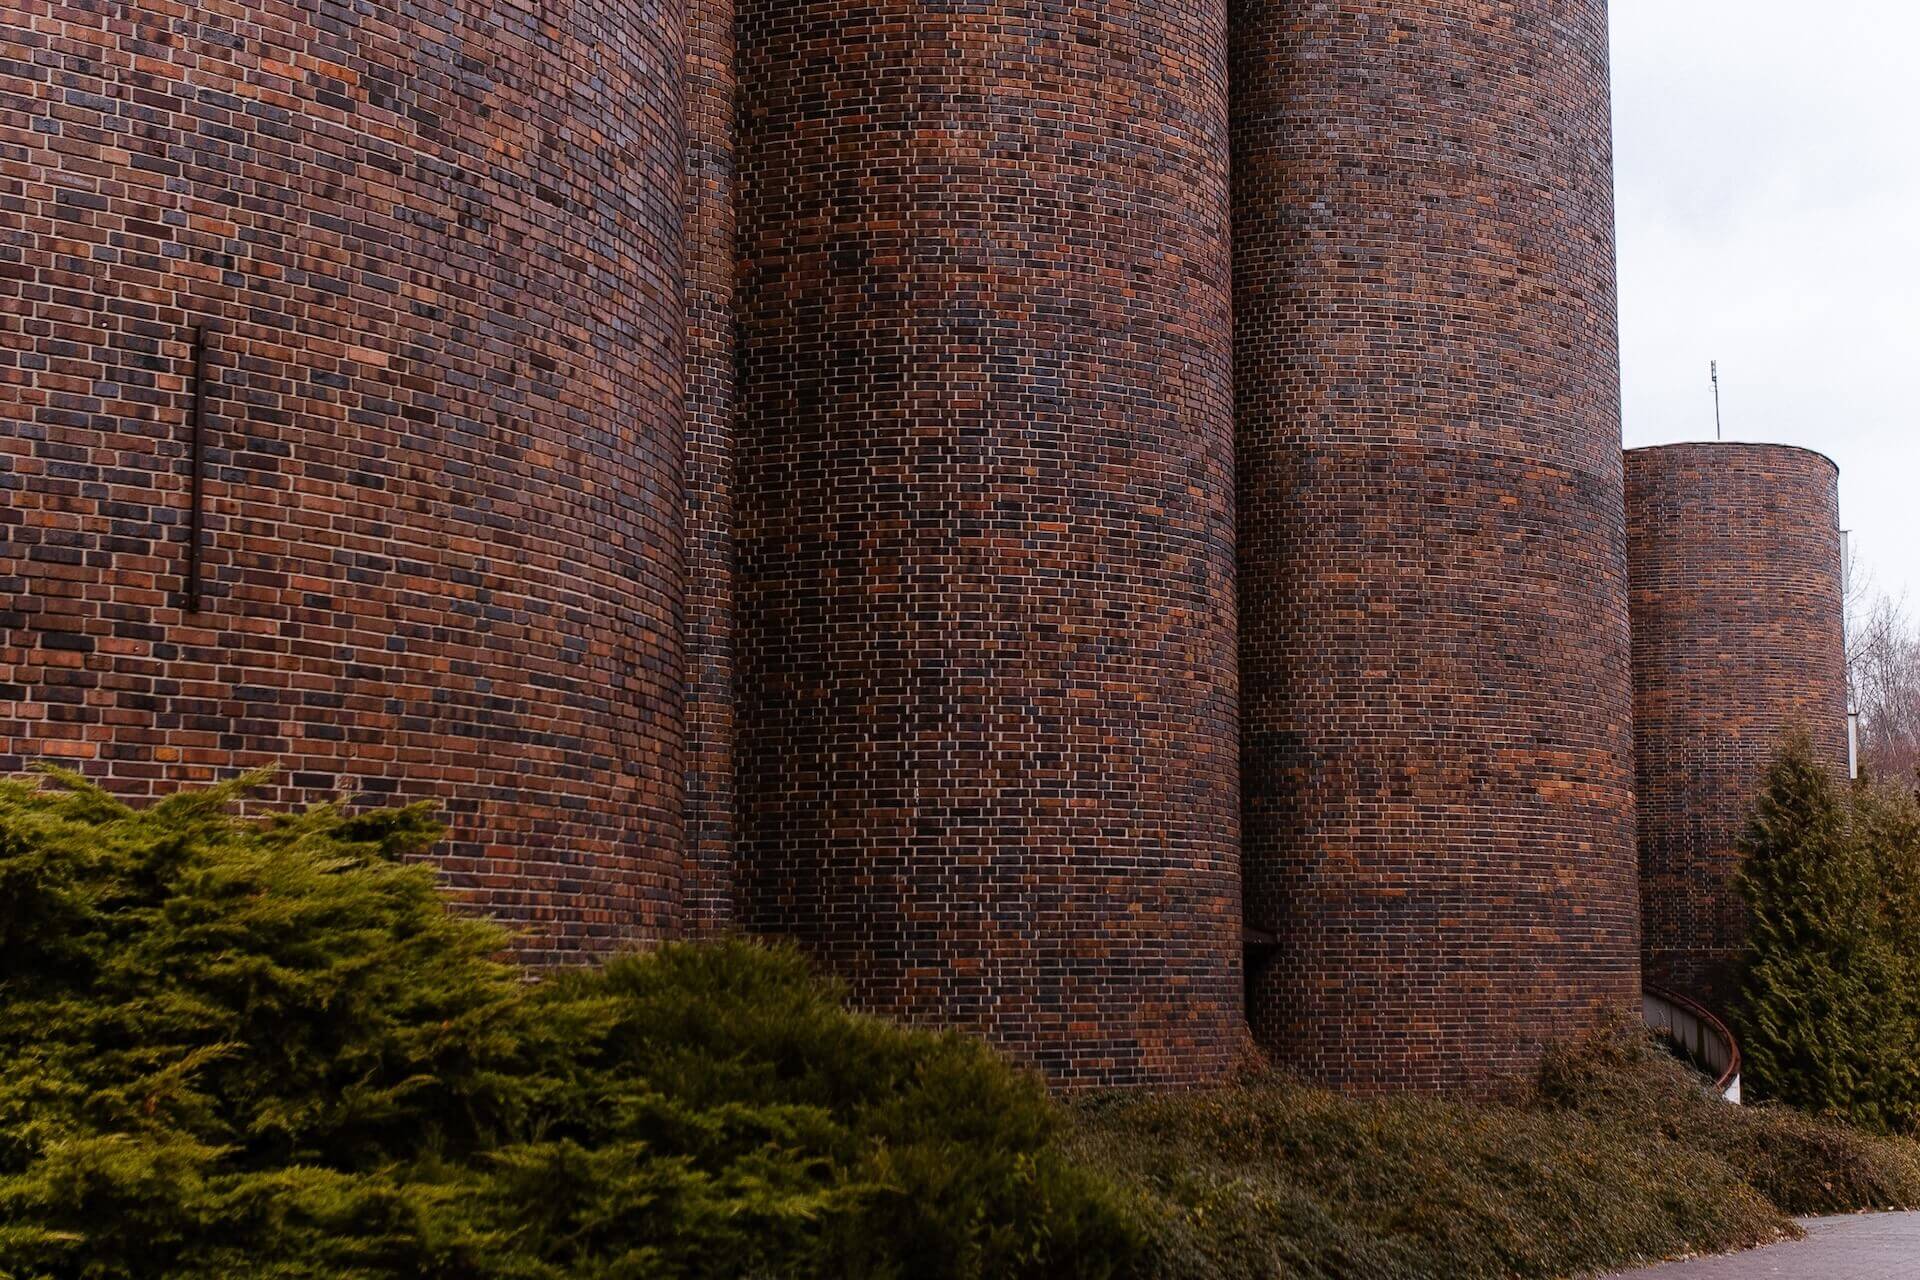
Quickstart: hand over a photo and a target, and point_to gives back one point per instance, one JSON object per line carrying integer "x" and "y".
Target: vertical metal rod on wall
{"x": 195, "y": 466}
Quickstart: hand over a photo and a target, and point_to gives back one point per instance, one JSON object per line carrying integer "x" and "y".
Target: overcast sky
{"x": 1769, "y": 183}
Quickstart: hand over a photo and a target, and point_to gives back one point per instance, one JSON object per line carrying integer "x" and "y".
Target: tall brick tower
{"x": 987, "y": 738}
{"x": 1437, "y": 738}
{"x": 1738, "y": 636}
{"x": 435, "y": 251}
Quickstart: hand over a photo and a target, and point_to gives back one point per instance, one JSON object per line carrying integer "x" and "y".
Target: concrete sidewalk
{"x": 1880, "y": 1247}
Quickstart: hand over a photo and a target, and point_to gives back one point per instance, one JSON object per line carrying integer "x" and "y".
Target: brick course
{"x": 437, "y": 251}
{"x": 1436, "y": 750}
{"x": 987, "y": 721}
{"x": 1738, "y": 635}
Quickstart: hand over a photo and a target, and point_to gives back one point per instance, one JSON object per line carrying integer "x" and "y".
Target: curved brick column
{"x": 1437, "y": 743}
{"x": 711, "y": 357}
{"x": 1738, "y": 635}
{"x": 438, "y": 252}
{"x": 988, "y": 752}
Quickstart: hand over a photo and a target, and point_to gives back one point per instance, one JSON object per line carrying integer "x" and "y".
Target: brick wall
{"x": 987, "y": 722}
{"x": 865, "y": 571}
{"x": 1437, "y": 743}
{"x": 437, "y": 253}
{"x": 1738, "y": 634}
{"x": 711, "y": 356}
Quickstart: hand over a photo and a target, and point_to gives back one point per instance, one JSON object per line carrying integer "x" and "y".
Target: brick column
{"x": 436, "y": 250}
{"x": 988, "y": 734}
{"x": 1739, "y": 635}
{"x": 1437, "y": 745}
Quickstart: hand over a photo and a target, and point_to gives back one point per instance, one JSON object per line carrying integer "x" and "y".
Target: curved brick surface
{"x": 1435, "y": 634}
{"x": 987, "y": 742}
{"x": 1738, "y": 633}
{"x": 711, "y": 357}
{"x": 438, "y": 248}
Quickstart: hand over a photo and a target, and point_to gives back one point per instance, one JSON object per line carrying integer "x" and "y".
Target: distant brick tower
{"x": 437, "y": 254}
{"x": 1437, "y": 746}
{"x": 1738, "y": 636}
{"x": 987, "y": 733}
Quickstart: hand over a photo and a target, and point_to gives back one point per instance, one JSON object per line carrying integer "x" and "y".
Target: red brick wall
{"x": 711, "y": 355}
{"x": 1437, "y": 744}
{"x": 987, "y": 740}
{"x": 1738, "y": 633}
{"x": 962, "y": 599}
{"x": 437, "y": 249}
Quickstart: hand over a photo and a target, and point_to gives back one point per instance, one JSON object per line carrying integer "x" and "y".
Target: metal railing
{"x": 1696, "y": 1030}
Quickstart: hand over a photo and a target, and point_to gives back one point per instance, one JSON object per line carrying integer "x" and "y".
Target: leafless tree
{"x": 1883, "y": 677}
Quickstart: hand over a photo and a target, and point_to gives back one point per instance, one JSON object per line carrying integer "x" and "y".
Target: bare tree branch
{"x": 1883, "y": 677}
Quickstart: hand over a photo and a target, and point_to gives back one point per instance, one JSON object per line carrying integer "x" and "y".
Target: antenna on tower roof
{"x": 1717, "y": 433}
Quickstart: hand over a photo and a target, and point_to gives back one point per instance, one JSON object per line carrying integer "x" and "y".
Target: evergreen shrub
{"x": 266, "y": 1048}
{"x": 1829, "y": 1015}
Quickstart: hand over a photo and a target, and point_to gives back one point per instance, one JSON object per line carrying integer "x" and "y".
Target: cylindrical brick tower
{"x": 1738, "y": 637}
{"x": 988, "y": 744}
{"x": 711, "y": 561}
{"x": 1436, "y": 703}
{"x": 436, "y": 251}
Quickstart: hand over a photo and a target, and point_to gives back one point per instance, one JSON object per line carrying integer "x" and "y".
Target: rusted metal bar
{"x": 196, "y": 465}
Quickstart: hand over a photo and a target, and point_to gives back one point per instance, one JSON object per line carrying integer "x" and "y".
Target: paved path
{"x": 1886, "y": 1247}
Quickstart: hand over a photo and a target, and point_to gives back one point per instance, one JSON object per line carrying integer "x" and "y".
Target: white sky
{"x": 1769, "y": 184}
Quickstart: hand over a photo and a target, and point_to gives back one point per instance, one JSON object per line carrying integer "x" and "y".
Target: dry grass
{"x": 1616, "y": 1158}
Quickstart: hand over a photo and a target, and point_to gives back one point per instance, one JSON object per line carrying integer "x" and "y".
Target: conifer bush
{"x": 266, "y": 1048}
{"x": 1829, "y": 1015}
